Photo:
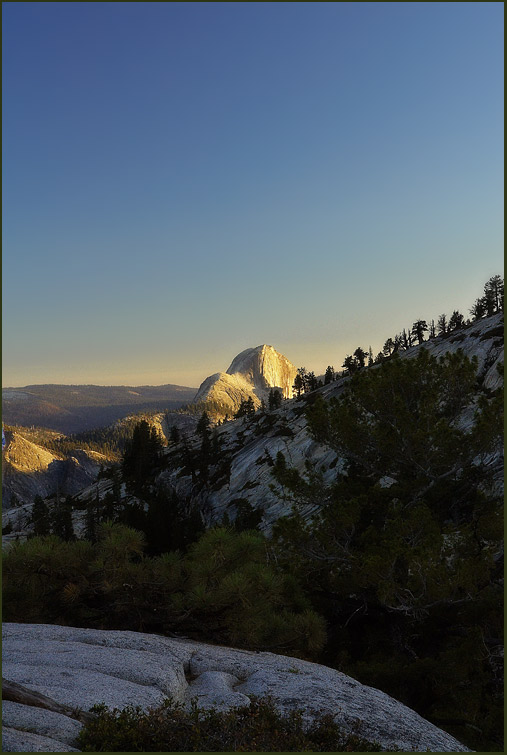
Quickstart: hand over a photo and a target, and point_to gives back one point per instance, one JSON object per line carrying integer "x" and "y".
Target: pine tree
{"x": 203, "y": 424}
{"x": 141, "y": 453}
{"x": 299, "y": 385}
{"x": 350, "y": 364}
{"x": 388, "y": 347}
{"x": 274, "y": 399}
{"x": 418, "y": 330}
{"x": 479, "y": 308}
{"x": 312, "y": 382}
{"x": 442, "y": 325}
{"x": 249, "y": 407}
{"x": 329, "y": 375}
{"x": 456, "y": 320}
{"x": 493, "y": 294}
{"x": 40, "y": 516}
{"x": 90, "y": 524}
{"x": 61, "y": 521}
{"x": 360, "y": 355}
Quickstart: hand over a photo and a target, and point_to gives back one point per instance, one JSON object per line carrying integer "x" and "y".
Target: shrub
{"x": 223, "y": 590}
{"x": 257, "y": 727}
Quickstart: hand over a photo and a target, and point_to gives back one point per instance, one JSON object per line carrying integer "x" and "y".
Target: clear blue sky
{"x": 186, "y": 180}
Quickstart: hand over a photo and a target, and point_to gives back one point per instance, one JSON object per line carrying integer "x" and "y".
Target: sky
{"x": 182, "y": 181}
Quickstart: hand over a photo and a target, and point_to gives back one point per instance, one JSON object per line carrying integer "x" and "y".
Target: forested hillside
{"x": 358, "y": 525}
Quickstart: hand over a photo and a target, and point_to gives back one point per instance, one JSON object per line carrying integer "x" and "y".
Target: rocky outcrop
{"x": 82, "y": 667}
{"x": 30, "y": 469}
{"x": 252, "y": 373}
{"x": 252, "y": 444}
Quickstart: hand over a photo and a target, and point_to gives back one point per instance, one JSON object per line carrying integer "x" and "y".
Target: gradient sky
{"x": 182, "y": 181}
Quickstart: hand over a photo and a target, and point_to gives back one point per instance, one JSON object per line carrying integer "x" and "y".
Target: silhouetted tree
{"x": 360, "y": 355}
{"x": 493, "y": 294}
{"x": 299, "y": 385}
{"x": 311, "y": 381}
{"x": 442, "y": 325}
{"x": 142, "y": 453}
{"x": 246, "y": 408}
{"x": 456, "y": 320}
{"x": 478, "y": 310}
{"x": 329, "y": 375}
{"x": 351, "y": 364}
{"x": 91, "y": 523}
{"x": 418, "y": 330}
{"x": 61, "y": 521}
{"x": 40, "y": 516}
{"x": 175, "y": 434}
{"x": 203, "y": 424}
{"x": 432, "y": 329}
{"x": 388, "y": 347}
{"x": 249, "y": 407}
{"x": 274, "y": 399}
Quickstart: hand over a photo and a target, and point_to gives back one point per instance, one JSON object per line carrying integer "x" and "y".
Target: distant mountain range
{"x": 75, "y": 408}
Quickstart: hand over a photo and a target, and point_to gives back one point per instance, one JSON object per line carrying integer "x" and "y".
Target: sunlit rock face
{"x": 252, "y": 373}
{"x": 30, "y": 469}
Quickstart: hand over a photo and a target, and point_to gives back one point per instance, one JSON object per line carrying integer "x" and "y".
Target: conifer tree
{"x": 388, "y": 347}
{"x": 249, "y": 407}
{"x": 329, "y": 375}
{"x": 274, "y": 399}
{"x": 493, "y": 294}
{"x": 418, "y": 330}
{"x": 350, "y": 364}
{"x": 442, "y": 325}
{"x": 40, "y": 516}
{"x": 478, "y": 310}
{"x": 298, "y": 386}
{"x": 312, "y": 382}
{"x": 203, "y": 425}
{"x": 456, "y": 320}
{"x": 61, "y": 521}
{"x": 360, "y": 355}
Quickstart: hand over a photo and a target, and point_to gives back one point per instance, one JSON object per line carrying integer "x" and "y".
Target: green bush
{"x": 257, "y": 727}
{"x": 223, "y": 590}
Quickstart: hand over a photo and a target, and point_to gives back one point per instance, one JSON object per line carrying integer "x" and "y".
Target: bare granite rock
{"x": 251, "y": 374}
{"x": 81, "y": 667}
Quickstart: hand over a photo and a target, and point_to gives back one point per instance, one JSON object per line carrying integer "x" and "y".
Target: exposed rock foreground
{"x": 82, "y": 667}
